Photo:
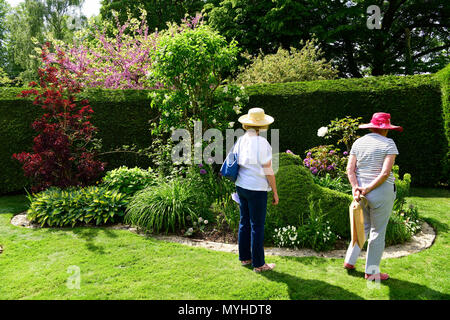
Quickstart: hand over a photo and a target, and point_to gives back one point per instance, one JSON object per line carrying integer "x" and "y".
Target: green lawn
{"x": 118, "y": 264}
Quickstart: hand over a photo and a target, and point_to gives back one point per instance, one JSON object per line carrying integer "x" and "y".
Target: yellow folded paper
{"x": 357, "y": 221}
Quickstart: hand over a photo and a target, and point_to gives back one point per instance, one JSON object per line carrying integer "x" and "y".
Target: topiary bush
{"x": 300, "y": 198}
{"x": 296, "y": 189}
{"x": 57, "y": 208}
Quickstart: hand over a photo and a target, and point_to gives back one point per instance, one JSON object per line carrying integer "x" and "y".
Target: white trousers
{"x": 376, "y": 218}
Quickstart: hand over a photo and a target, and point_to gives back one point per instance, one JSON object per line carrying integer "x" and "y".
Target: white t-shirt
{"x": 253, "y": 152}
{"x": 370, "y": 151}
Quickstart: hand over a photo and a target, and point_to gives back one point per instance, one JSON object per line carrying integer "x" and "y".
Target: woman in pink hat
{"x": 369, "y": 171}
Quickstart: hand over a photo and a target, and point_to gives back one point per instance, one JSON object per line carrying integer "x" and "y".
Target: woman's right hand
{"x": 356, "y": 194}
{"x": 276, "y": 200}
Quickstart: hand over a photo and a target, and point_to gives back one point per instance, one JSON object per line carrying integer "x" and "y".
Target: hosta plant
{"x": 57, "y": 208}
{"x": 129, "y": 180}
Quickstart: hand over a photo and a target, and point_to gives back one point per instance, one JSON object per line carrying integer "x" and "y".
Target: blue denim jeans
{"x": 253, "y": 210}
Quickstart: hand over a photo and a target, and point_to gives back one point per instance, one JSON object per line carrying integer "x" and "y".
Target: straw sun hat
{"x": 256, "y": 118}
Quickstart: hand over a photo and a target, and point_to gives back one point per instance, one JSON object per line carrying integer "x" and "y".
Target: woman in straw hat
{"x": 255, "y": 179}
{"x": 369, "y": 171}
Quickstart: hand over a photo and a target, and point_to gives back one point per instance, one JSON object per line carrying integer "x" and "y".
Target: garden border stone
{"x": 419, "y": 242}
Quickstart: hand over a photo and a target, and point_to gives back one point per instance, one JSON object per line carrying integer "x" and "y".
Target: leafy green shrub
{"x": 204, "y": 177}
{"x": 443, "y": 77}
{"x": 56, "y": 208}
{"x": 193, "y": 64}
{"x": 396, "y": 231}
{"x": 317, "y": 232}
{"x": 286, "y": 66}
{"x": 165, "y": 206}
{"x": 338, "y": 184}
{"x": 227, "y": 214}
{"x": 129, "y": 181}
{"x": 322, "y": 160}
{"x": 403, "y": 187}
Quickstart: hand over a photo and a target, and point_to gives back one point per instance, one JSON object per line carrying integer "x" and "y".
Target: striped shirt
{"x": 370, "y": 151}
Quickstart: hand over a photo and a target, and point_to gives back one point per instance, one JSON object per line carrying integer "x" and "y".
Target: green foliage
{"x": 403, "y": 187}
{"x": 345, "y": 130}
{"x": 322, "y": 160}
{"x": 444, "y": 78}
{"x": 121, "y": 117}
{"x": 129, "y": 180}
{"x": 165, "y": 206}
{"x": 4, "y": 79}
{"x": 301, "y": 108}
{"x": 286, "y": 159}
{"x": 57, "y": 208}
{"x": 29, "y": 25}
{"x": 193, "y": 64}
{"x": 296, "y": 189}
{"x": 159, "y": 12}
{"x": 227, "y": 214}
{"x": 317, "y": 233}
{"x": 287, "y": 66}
{"x": 414, "y": 37}
{"x": 339, "y": 184}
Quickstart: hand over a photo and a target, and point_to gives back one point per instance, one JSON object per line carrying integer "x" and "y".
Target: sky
{"x": 90, "y": 7}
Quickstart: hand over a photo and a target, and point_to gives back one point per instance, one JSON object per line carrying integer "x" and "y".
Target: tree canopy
{"x": 414, "y": 34}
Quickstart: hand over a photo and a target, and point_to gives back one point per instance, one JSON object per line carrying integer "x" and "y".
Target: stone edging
{"x": 419, "y": 242}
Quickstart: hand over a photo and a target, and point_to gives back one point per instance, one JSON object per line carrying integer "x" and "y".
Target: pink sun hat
{"x": 381, "y": 120}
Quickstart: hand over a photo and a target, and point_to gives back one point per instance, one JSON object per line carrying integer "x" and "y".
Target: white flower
{"x": 206, "y": 221}
{"x": 231, "y": 124}
{"x": 200, "y": 220}
{"x": 237, "y": 109}
{"x": 238, "y": 99}
{"x": 190, "y": 230}
{"x": 242, "y": 88}
{"x": 225, "y": 89}
{"x": 214, "y": 121}
{"x": 322, "y": 132}
{"x": 284, "y": 229}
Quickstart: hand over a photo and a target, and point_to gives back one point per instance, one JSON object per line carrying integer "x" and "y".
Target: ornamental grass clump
{"x": 165, "y": 207}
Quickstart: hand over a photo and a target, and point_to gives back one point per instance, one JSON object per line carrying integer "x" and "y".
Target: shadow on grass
{"x": 404, "y": 290}
{"x": 301, "y": 289}
{"x": 88, "y": 234}
{"x": 439, "y": 226}
{"x": 13, "y": 204}
{"x": 429, "y": 193}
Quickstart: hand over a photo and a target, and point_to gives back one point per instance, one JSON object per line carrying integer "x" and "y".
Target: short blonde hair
{"x": 256, "y": 128}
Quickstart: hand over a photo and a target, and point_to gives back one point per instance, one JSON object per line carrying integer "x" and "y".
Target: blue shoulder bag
{"x": 230, "y": 167}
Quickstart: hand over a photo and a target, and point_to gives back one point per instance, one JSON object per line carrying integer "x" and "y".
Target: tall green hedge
{"x": 120, "y": 115}
{"x": 444, "y": 77}
{"x": 300, "y": 109}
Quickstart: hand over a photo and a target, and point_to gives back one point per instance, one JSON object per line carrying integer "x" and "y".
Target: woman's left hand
{"x": 364, "y": 191}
